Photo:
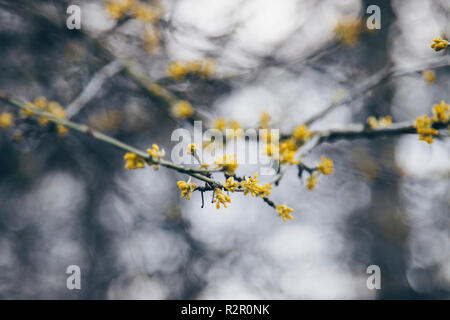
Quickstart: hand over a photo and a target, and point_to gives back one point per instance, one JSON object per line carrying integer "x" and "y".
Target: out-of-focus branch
{"x": 374, "y": 81}
{"x": 93, "y": 87}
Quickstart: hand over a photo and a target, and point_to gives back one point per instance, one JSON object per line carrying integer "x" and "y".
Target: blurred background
{"x": 68, "y": 200}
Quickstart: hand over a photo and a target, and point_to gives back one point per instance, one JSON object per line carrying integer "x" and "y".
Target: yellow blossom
{"x": 250, "y": 185}
{"x": 177, "y": 70}
{"x": 311, "y": 182}
{"x": 325, "y": 166}
{"x": 183, "y": 109}
{"x": 264, "y": 120}
{"x": 6, "y": 120}
{"x": 424, "y": 128}
{"x": 381, "y": 122}
{"x": 429, "y": 76}
{"x": 204, "y": 166}
{"x": 272, "y": 151}
{"x": 28, "y": 112}
{"x": 41, "y": 102}
{"x": 288, "y": 156}
{"x": 284, "y": 212}
{"x": 156, "y": 154}
{"x": 231, "y": 184}
{"x": 348, "y": 31}
{"x": 235, "y": 126}
{"x": 228, "y": 162}
{"x": 133, "y": 161}
{"x": 287, "y": 150}
{"x": 192, "y": 148}
{"x": 301, "y": 133}
{"x": 61, "y": 130}
{"x": 439, "y": 44}
{"x": 187, "y": 188}
{"x": 441, "y": 112}
{"x": 118, "y": 8}
{"x": 145, "y": 12}
{"x": 151, "y": 40}
{"x": 220, "y": 198}
{"x": 220, "y": 124}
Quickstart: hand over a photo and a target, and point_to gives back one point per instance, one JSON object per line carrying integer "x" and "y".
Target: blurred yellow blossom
{"x": 380, "y": 122}
{"x": 6, "y": 120}
{"x": 118, "y": 8}
{"x": 264, "y": 120}
{"x": 183, "y": 109}
{"x": 178, "y": 70}
{"x": 133, "y": 161}
{"x": 284, "y": 212}
{"x": 151, "y": 40}
{"x": 301, "y": 133}
{"x": 145, "y": 12}
{"x": 429, "y": 76}
{"x": 228, "y": 162}
{"x": 441, "y": 112}
{"x": 311, "y": 182}
{"x": 325, "y": 166}
{"x": 220, "y": 124}
{"x": 348, "y": 31}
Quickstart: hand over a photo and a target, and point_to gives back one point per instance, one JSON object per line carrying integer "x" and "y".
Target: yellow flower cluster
{"x": 133, "y": 161}
{"x": 223, "y": 125}
{"x": 227, "y": 162}
{"x": 145, "y": 12}
{"x": 6, "y": 120}
{"x": 424, "y": 124}
{"x": 429, "y": 76}
{"x": 117, "y": 9}
{"x": 284, "y": 212}
{"x": 182, "y": 109}
{"x": 380, "y": 122}
{"x": 424, "y": 128}
{"x": 312, "y": 181}
{"x": 441, "y": 112}
{"x": 179, "y": 70}
{"x": 220, "y": 198}
{"x": 301, "y": 133}
{"x": 324, "y": 167}
{"x": 187, "y": 188}
{"x": 348, "y": 31}
{"x": 439, "y": 44}
{"x": 250, "y": 185}
{"x": 51, "y": 107}
{"x": 231, "y": 184}
{"x": 151, "y": 39}
{"x": 156, "y": 154}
